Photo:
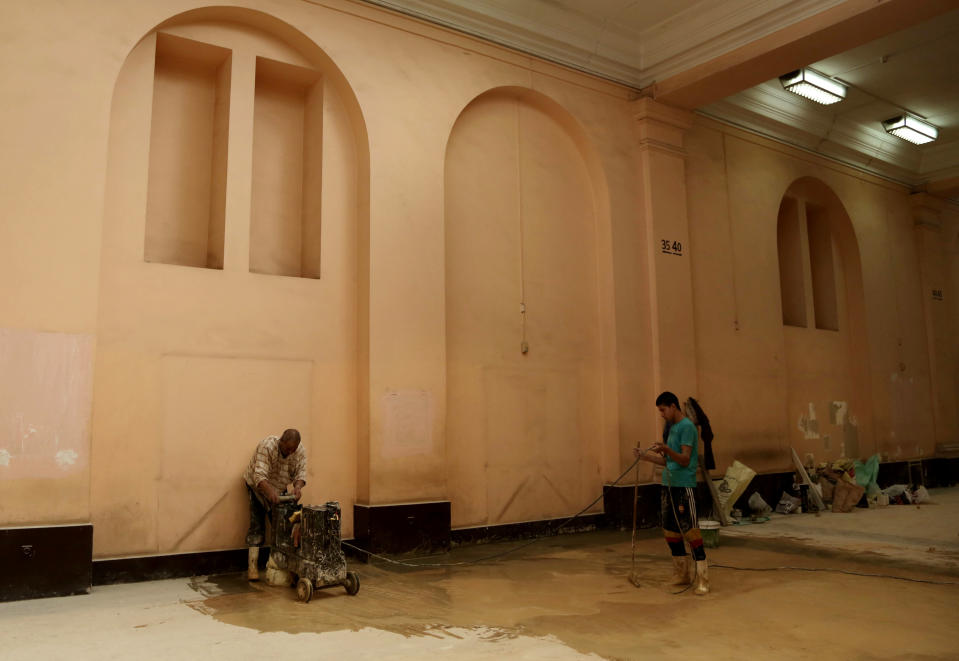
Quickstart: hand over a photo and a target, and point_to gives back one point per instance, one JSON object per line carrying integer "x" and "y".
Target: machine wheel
{"x": 304, "y": 590}
{"x": 352, "y": 582}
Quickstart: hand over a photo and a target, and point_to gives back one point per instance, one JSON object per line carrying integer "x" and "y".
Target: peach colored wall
{"x": 525, "y": 399}
{"x": 758, "y": 376}
{"x": 187, "y": 366}
{"x": 193, "y": 365}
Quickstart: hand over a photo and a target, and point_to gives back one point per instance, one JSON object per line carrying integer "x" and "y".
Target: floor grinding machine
{"x": 306, "y": 543}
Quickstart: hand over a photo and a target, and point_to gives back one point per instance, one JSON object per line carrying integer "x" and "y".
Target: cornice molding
{"x": 615, "y": 52}
{"x": 710, "y": 29}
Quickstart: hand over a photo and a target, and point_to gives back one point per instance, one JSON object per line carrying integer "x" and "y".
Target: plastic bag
{"x": 920, "y": 495}
{"x": 866, "y": 474}
{"x": 788, "y": 504}
{"x": 757, "y": 505}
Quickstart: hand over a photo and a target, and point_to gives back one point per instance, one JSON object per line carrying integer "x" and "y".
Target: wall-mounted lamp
{"x": 814, "y": 86}
{"x": 911, "y": 129}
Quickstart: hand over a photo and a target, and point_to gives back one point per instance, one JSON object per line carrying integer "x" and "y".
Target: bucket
{"x": 710, "y": 532}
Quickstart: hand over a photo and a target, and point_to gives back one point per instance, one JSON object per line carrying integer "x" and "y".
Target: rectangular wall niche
{"x": 186, "y": 194}
{"x": 791, "y": 274}
{"x": 287, "y": 160}
{"x": 823, "y": 268}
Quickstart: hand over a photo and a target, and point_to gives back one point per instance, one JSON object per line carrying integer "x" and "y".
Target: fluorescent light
{"x": 911, "y": 129}
{"x": 814, "y": 86}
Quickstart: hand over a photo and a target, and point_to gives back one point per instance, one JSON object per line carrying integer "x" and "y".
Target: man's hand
{"x": 298, "y": 490}
{"x": 658, "y": 448}
{"x": 268, "y": 492}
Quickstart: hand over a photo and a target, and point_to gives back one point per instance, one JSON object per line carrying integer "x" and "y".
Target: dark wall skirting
{"x": 526, "y": 530}
{"x": 49, "y": 561}
{"x": 406, "y": 528}
{"x": 45, "y": 561}
{"x": 177, "y": 565}
{"x": 618, "y": 500}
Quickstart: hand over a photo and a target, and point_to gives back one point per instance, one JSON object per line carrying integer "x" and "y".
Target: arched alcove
{"x": 235, "y": 248}
{"x": 826, "y": 343}
{"x": 524, "y": 294}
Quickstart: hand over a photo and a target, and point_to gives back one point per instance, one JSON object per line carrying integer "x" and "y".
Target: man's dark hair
{"x": 291, "y": 434}
{"x": 667, "y": 398}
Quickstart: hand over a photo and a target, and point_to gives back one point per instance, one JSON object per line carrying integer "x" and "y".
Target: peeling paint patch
{"x": 837, "y": 413}
{"x": 808, "y": 424}
{"x": 4, "y": 457}
{"x": 66, "y": 458}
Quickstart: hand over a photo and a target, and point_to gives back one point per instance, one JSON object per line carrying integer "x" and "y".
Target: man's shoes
{"x": 681, "y": 566}
{"x": 702, "y": 577}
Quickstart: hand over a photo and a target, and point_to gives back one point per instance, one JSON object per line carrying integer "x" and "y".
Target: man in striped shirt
{"x": 277, "y": 462}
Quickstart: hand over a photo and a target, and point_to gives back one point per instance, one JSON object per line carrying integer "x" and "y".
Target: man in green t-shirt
{"x": 679, "y": 456}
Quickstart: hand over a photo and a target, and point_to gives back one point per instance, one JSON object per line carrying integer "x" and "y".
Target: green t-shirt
{"x": 680, "y": 434}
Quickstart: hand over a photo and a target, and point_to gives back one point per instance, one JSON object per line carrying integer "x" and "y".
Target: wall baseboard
{"x": 406, "y": 528}
{"x": 45, "y": 561}
{"x": 48, "y": 561}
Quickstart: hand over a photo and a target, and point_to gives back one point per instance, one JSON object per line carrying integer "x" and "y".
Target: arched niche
{"x": 823, "y": 314}
{"x": 233, "y": 263}
{"x": 526, "y": 271}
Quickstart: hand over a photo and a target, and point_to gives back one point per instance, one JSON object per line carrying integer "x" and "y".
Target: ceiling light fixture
{"x": 814, "y": 86}
{"x": 911, "y": 129}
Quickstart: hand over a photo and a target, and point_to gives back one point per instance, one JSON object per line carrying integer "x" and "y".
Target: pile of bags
{"x": 845, "y": 481}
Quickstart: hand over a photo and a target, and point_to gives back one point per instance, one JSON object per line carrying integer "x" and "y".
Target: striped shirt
{"x": 268, "y": 464}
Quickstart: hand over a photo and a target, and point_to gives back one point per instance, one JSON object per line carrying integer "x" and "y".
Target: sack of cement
{"x": 758, "y": 506}
{"x": 846, "y": 496}
{"x": 788, "y": 504}
{"x": 734, "y": 483}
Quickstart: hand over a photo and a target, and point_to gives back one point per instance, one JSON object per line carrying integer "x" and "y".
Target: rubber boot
{"x": 702, "y": 577}
{"x": 680, "y": 570}
{"x": 252, "y": 573}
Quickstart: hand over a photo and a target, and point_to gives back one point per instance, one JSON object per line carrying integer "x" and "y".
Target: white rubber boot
{"x": 702, "y": 577}
{"x": 681, "y": 568}
{"x": 252, "y": 573}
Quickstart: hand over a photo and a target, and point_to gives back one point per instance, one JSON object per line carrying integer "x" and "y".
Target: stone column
{"x": 662, "y": 186}
{"x": 941, "y": 336}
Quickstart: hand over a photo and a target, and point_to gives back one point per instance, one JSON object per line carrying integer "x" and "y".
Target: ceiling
{"x": 640, "y": 42}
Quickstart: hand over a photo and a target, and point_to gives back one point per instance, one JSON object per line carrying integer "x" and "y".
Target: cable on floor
{"x": 596, "y": 500}
{"x": 494, "y": 555}
{"x": 832, "y": 569}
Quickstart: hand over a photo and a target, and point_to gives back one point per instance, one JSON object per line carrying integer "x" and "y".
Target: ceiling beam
{"x": 845, "y": 26}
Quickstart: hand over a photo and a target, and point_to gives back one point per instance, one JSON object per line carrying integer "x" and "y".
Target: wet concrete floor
{"x": 575, "y": 589}
{"x": 565, "y": 597}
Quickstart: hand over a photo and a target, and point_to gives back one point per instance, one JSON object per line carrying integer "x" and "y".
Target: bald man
{"x": 277, "y": 462}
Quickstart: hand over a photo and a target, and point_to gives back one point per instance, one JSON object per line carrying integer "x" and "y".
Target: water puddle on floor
{"x": 575, "y": 590}
{"x": 577, "y": 593}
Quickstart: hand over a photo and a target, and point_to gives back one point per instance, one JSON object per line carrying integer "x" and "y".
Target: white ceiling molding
{"x": 710, "y": 29}
{"x": 569, "y": 48}
{"x": 632, "y": 54}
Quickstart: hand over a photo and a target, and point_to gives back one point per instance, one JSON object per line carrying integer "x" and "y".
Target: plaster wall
{"x": 197, "y": 359}
{"x": 867, "y": 385}
{"x": 365, "y": 288}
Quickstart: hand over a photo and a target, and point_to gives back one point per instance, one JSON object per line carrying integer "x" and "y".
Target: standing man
{"x": 679, "y": 456}
{"x": 277, "y": 462}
